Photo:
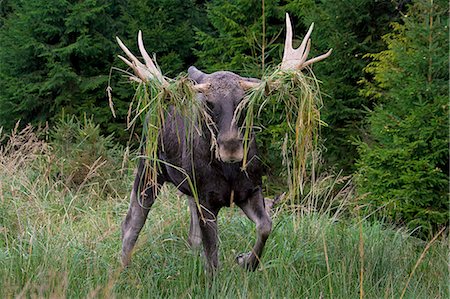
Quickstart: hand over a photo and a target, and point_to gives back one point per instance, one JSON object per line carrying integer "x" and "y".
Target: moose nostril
{"x": 230, "y": 145}
{"x": 231, "y": 160}
{"x": 231, "y": 148}
{"x": 231, "y": 156}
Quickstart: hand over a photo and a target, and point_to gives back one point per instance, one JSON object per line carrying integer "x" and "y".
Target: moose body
{"x": 217, "y": 174}
{"x": 218, "y": 180}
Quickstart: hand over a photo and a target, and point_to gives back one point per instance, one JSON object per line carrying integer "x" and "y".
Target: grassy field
{"x": 61, "y": 241}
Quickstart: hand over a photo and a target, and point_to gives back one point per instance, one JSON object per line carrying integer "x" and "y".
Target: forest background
{"x": 372, "y": 221}
{"x": 385, "y": 87}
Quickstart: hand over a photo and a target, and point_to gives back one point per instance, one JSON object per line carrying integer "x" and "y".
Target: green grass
{"x": 56, "y": 242}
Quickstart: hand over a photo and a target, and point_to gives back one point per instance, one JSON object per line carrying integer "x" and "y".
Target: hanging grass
{"x": 152, "y": 102}
{"x": 297, "y": 92}
{"x": 300, "y": 96}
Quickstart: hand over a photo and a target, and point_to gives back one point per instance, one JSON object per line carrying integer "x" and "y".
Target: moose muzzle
{"x": 231, "y": 148}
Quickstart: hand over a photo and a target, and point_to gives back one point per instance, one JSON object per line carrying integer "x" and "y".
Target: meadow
{"x": 61, "y": 239}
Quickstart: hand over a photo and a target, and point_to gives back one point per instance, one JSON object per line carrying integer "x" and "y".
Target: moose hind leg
{"x": 195, "y": 234}
{"x": 141, "y": 200}
{"x": 255, "y": 211}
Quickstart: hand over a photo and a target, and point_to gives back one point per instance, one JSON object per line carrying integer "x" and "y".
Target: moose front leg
{"x": 208, "y": 227}
{"x": 255, "y": 211}
{"x": 141, "y": 200}
{"x": 195, "y": 234}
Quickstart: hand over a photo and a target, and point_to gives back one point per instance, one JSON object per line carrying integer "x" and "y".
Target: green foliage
{"x": 404, "y": 164}
{"x": 5, "y": 10}
{"x": 235, "y": 41}
{"x": 168, "y": 30}
{"x": 56, "y": 55}
{"x": 84, "y": 155}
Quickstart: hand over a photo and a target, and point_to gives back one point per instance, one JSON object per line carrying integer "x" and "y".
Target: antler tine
{"x": 135, "y": 64}
{"x": 288, "y": 42}
{"x": 306, "y": 52}
{"x": 305, "y": 40}
{"x": 128, "y": 62}
{"x": 294, "y": 59}
{"x": 143, "y": 71}
{"x": 129, "y": 54}
{"x": 148, "y": 61}
{"x": 318, "y": 58}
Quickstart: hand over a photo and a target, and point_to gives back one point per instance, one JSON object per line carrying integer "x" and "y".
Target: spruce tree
{"x": 240, "y": 38}
{"x": 404, "y": 163}
{"x": 56, "y": 55}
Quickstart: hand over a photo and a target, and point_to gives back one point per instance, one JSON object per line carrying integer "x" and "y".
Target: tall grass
{"x": 57, "y": 241}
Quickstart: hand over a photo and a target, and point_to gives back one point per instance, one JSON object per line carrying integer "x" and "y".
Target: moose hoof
{"x": 247, "y": 261}
{"x": 126, "y": 258}
{"x": 195, "y": 244}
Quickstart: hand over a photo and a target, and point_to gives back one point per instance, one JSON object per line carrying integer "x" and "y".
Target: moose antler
{"x": 295, "y": 59}
{"x": 149, "y": 70}
{"x": 144, "y": 72}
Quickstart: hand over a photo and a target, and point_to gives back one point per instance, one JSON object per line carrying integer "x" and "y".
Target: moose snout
{"x": 231, "y": 149}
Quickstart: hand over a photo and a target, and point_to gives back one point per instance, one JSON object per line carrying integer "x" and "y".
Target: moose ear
{"x": 196, "y": 75}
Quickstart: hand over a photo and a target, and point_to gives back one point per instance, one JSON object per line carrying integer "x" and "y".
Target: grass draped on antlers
{"x": 299, "y": 95}
{"x": 151, "y": 104}
{"x": 297, "y": 92}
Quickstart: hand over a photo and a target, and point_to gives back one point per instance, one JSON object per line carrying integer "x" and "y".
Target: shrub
{"x": 84, "y": 156}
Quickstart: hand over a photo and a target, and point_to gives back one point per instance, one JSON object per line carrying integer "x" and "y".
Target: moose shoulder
{"x": 217, "y": 173}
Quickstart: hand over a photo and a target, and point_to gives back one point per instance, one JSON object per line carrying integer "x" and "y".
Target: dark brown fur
{"x": 218, "y": 181}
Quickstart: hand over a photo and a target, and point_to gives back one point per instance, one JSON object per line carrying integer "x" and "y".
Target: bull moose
{"x": 217, "y": 177}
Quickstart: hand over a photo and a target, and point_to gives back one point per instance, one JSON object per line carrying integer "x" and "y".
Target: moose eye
{"x": 210, "y": 105}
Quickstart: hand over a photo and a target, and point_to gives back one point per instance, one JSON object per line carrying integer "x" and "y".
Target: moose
{"x": 217, "y": 177}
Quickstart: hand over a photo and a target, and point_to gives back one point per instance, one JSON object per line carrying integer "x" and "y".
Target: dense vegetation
{"x": 60, "y": 237}
{"x": 385, "y": 86}
{"x": 56, "y": 55}
{"x": 403, "y": 165}
{"x": 63, "y": 188}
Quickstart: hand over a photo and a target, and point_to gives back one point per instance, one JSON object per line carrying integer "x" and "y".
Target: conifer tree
{"x": 56, "y": 55}
{"x": 404, "y": 163}
{"x": 240, "y": 38}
